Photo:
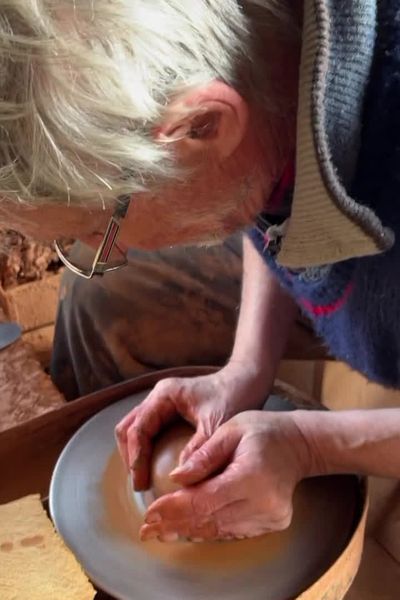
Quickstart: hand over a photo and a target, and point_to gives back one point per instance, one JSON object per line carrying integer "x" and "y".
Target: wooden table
{"x": 26, "y": 390}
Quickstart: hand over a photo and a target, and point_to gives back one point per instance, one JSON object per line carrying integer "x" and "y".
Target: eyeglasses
{"x": 101, "y": 262}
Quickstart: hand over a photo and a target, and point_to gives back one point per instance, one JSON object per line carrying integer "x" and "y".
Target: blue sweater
{"x": 355, "y": 305}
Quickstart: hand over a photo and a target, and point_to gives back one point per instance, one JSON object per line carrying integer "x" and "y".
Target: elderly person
{"x": 170, "y": 122}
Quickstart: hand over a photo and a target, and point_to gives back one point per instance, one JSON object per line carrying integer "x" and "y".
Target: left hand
{"x": 241, "y": 482}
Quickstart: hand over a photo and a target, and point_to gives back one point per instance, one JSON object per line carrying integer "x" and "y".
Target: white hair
{"x": 84, "y": 83}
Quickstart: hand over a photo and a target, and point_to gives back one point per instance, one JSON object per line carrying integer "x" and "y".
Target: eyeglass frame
{"x": 107, "y": 245}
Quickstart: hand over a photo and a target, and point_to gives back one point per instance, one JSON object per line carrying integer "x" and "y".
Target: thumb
{"x": 212, "y": 456}
{"x": 193, "y": 444}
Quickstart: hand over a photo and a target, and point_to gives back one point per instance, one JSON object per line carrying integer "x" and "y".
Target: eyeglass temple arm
{"x": 113, "y": 228}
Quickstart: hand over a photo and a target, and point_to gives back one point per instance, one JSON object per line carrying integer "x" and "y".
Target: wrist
{"x": 247, "y": 387}
{"x": 283, "y": 428}
{"x": 366, "y": 442}
{"x": 297, "y": 440}
{"x": 257, "y": 370}
{"x": 308, "y": 424}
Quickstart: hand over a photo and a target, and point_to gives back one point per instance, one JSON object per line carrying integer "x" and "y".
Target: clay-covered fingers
{"x": 121, "y": 435}
{"x": 135, "y": 433}
{"x": 187, "y": 530}
{"x": 206, "y": 511}
{"x": 234, "y": 521}
{"x": 226, "y": 510}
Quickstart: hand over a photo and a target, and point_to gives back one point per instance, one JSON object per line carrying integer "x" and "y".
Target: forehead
{"x": 50, "y": 221}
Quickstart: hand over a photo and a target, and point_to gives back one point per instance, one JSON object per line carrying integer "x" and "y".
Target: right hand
{"x": 206, "y": 402}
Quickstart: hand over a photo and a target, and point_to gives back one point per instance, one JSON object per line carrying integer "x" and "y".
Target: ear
{"x": 212, "y": 118}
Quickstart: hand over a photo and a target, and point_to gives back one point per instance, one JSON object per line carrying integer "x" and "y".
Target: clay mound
{"x": 23, "y": 260}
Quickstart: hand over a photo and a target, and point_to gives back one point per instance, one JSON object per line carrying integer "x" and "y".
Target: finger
{"x": 158, "y": 409}
{"x": 211, "y": 457}
{"x": 194, "y": 444}
{"x": 198, "y": 503}
{"x": 121, "y": 431}
{"x": 237, "y": 520}
{"x": 207, "y": 531}
{"x": 220, "y": 525}
{"x": 240, "y": 520}
{"x": 141, "y": 460}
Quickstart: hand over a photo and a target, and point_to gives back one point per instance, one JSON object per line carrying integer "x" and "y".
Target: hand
{"x": 205, "y": 402}
{"x": 241, "y": 482}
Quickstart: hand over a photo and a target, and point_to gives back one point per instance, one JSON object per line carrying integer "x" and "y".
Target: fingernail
{"x": 185, "y": 468}
{"x": 135, "y": 460}
{"x": 153, "y": 518}
{"x": 169, "y": 537}
{"x": 133, "y": 466}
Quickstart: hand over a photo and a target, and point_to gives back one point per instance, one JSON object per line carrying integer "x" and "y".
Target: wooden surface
{"x": 41, "y": 340}
{"x": 26, "y": 390}
{"x": 378, "y": 577}
{"x": 33, "y": 305}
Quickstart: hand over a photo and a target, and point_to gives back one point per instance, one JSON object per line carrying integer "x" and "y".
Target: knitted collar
{"x": 326, "y": 224}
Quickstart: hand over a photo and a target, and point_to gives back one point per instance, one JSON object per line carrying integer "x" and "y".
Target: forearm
{"x": 266, "y": 316}
{"x": 365, "y": 442}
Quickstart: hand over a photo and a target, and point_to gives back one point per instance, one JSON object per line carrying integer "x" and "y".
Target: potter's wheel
{"x": 97, "y": 515}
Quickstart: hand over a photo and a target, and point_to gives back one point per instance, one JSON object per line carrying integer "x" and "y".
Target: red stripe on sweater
{"x": 320, "y": 310}
{"x": 285, "y": 184}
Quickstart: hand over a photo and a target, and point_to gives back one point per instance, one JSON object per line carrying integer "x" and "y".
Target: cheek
{"x": 27, "y": 228}
{"x": 40, "y": 231}
{"x": 30, "y": 222}
{"x": 200, "y": 211}
{"x": 51, "y": 222}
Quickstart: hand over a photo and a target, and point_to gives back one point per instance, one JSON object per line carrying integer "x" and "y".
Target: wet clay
{"x": 166, "y": 455}
{"x": 123, "y": 518}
